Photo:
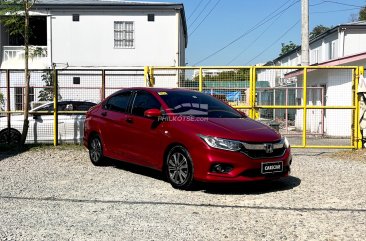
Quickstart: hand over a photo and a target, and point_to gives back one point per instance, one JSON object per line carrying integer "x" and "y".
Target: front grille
{"x": 256, "y": 154}
{"x": 263, "y": 150}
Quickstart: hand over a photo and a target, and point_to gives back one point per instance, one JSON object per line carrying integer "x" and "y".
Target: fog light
{"x": 221, "y": 168}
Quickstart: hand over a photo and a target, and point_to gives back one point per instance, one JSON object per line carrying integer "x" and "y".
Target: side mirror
{"x": 152, "y": 113}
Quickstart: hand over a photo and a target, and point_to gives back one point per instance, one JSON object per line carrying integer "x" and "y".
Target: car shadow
{"x": 140, "y": 170}
{"x": 250, "y": 188}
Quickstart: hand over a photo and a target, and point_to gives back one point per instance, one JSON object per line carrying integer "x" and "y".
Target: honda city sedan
{"x": 188, "y": 135}
{"x": 41, "y": 121}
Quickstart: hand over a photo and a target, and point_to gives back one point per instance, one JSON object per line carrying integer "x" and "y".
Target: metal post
{"x": 305, "y": 76}
{"x": 8, "y": 101}
{"x": 357, "y": 130}
{"x": 200, "y": 81}
{"x": 274, "y": 103}
{"x": 146, "y": 76}
{"x": 55, "y": 109}
{"x": 151, "y": 77}
{"x": 322, "y": 110}
{"x": 103, "y": 85}
{"x": 251, "y": 75}
{"x": 286, "y": 111}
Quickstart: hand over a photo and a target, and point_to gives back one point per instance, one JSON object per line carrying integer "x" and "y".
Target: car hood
{"x": 242, "y": 129}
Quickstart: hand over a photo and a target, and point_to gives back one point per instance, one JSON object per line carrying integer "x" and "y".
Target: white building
{"x": 343, "y": 45}
{"x": 97, "y": 34}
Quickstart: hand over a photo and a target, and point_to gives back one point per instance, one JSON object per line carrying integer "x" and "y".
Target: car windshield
{"x": 189, "y": 103}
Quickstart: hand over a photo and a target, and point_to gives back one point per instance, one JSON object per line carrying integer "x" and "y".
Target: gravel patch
{"x": 57, "y": 194}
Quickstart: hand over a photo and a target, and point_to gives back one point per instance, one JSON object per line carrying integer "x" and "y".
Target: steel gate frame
{"x": 356, "y": 138}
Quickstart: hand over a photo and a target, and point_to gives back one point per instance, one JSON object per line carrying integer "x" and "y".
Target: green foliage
{"x": 12, "y": 16}
{"x": 47, "y": 93}
{"x": 231, "y": 75}
{"x": 362, "y": 14}
{"x": 287, "y": 47}
{"x": 317, "y": 30}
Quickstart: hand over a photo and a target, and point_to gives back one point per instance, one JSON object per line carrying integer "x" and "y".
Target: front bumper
{"x": 244, "y": 168}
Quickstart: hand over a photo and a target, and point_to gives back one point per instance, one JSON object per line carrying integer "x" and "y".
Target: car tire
{"x": 96, "y": 151}
{"x": 10, "y": 137}
{"x": 179, "y": 168}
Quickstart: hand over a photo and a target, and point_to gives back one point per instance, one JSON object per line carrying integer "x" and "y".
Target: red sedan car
{"x": 190, "y": 136}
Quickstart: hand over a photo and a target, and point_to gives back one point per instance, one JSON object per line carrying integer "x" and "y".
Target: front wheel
{"x": 96, "y": 151}
{"x": 179, "y": 168}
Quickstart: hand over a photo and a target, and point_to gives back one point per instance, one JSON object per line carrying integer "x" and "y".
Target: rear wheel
{"x": 10, "y": 137}
{"x": 179, "y": 168}
{"x": 96, "y": 151}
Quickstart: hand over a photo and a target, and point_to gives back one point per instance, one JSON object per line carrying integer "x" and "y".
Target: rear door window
{"x": 119, "y": 102}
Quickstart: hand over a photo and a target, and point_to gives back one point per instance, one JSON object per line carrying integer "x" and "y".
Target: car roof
{"x": 154, "y": 89}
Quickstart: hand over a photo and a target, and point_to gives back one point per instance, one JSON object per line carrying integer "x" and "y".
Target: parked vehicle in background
{"x": 190, "y": 136}
{"x": 41, "y": 121}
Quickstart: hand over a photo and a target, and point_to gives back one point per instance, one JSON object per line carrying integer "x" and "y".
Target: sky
{"x": 247, "y": 32}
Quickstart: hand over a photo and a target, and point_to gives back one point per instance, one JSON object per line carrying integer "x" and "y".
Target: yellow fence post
{"x": 358, "y": 139}
{"x": 253, "y": 86}
{"x": 146, "y": 76}
{"x": 151, "y": 77}
{"x": 305, "y": 78}
{"x": 200, "y": 81}
{"x": 55, "y": 109}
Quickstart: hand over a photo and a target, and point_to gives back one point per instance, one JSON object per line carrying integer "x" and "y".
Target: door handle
{"x": 104, "y": 113}
{"x": 129, "y": 120}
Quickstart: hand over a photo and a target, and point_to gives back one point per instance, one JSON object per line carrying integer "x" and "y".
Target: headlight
{"x": 219, "y": 143}
{"x": 286, "y": 144}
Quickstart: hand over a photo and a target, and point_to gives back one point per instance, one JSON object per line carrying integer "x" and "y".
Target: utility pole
{"x": 305, "y": 32}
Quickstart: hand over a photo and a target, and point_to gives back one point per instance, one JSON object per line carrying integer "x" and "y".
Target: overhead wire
{"x": 260, "y": 23}
{"x": 205, "y": 17}
{"x": 254, "y": 41}
{"x": 339, "y": 10}
{"x": 335, "y": 2}
{"x": 200, "y": 13}
{"x": 195, "y": 9}
{"x": 274, "y": 42}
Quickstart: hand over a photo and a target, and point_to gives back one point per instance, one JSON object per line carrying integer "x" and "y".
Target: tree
{"x": 15, "y": 16}
{"x": 317, "y": 30}
{"x": 287, "y": 47}
{"x": 362, "y": 14}
{"x": 47, "y": 93}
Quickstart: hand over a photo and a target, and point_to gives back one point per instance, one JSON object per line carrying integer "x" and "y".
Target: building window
{"x": 315, "y": 56}
{"x": 151, "y": 17}
{"x": 76, "y": 80}
{"x": 332, "y": 50}
{"x": 124, "y": 34}
{"x": 76, "y": 17}
{"x": 19, "y": 95}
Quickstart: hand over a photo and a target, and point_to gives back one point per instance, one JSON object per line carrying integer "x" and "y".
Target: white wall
{"x": 90, "y": 42}
{"x": 338, "y": 93}
{"x": 354, "y": 41}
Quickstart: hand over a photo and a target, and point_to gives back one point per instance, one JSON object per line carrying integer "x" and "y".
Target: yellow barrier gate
{"x": 315, "y": 107}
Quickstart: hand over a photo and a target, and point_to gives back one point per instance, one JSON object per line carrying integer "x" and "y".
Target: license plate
{"x": 272, "y": 167}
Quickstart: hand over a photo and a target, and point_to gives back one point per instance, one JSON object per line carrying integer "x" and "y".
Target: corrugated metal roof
{"x": 358, "y": 24}
{"x": 100, "y": 2}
